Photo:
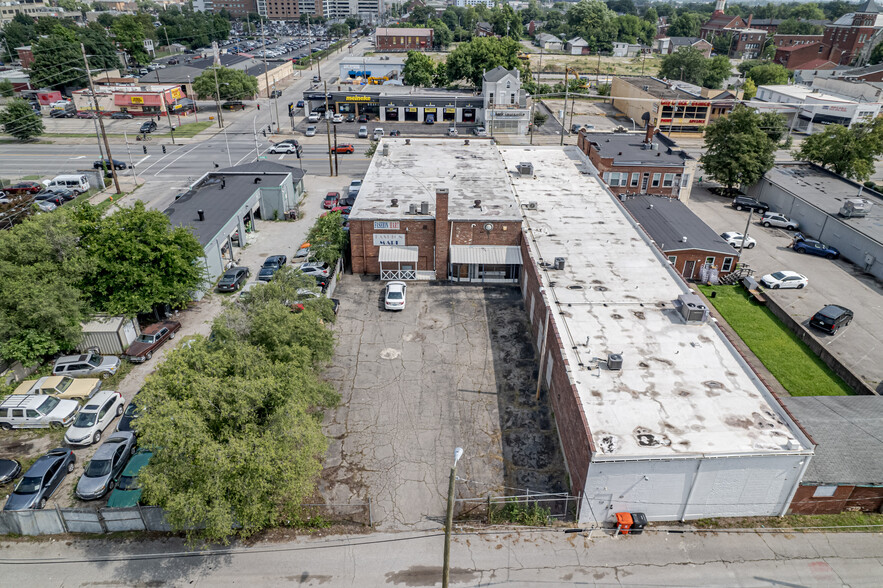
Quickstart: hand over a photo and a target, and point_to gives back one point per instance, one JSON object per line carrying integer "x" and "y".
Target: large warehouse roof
{"x": 683, "y": 389}
{"x": 410, "y": 171}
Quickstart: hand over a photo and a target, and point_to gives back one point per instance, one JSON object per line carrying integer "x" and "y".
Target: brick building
{"x": 656, "y": 411}
{"x": 646, "y": 163}
{"x": 236, "y": 8}
{"x": 386, "y": 39}
{"x": 847, "y": 35}
{"x": 747, "y": 42}
{"x": 691, "y": 246}
{"x": 846, "y": 473}
{"x": 798, "y": 55}
{"x": 437, "y": 209}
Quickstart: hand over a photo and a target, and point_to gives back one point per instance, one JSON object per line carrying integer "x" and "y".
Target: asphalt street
{"x": 491, "y": 558}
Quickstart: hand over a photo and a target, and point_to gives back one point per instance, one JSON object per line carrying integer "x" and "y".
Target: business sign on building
{"x": 137, "y": 100}
{"x": 387, "y": 225}
{"x": 388, "y": 239}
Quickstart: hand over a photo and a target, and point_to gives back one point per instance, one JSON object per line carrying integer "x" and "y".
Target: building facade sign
{"x": 388, "y": 239}
{"x": 387, "y": 225}
{"x": 360, "y": 98}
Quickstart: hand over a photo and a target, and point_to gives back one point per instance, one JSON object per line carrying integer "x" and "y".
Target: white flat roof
{"x": 682, "y": 388}
{"x": 411, "y": 173}
{"x": 803, "y": 92}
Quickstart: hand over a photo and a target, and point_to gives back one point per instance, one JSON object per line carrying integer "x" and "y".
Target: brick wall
{"x": 403, "y": 42}
{"x": 474, "y": 233}
{"x": 699, "y": 256}
{"x": 789, "y": 40}
{"x": 364, "y": 253}
{"x": 570, "y": 419}
{"x": 845, "y": 498}
{"x": 442, "y": 233}
{"x": 794, "y": 57}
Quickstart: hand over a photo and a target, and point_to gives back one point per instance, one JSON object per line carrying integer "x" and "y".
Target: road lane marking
{"x": 177, "y": 158}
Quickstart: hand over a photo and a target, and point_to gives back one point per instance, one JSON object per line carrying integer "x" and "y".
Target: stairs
{"x": 736, "y": 275}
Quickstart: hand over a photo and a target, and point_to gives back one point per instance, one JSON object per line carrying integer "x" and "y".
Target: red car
{"x": 331, "y": 200}
{"x": 343, "y": 148}
{"x": 150, "y": 340}
{"x": 85, "y": 114}
{"x": 24, "y": 188}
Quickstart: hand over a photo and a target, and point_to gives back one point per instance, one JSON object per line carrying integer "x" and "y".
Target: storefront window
{"x": 468, "y": 115}
{"x": 448, "y": 114}
{"x": 392, "y": 113}
{"x": 411, "y": 114}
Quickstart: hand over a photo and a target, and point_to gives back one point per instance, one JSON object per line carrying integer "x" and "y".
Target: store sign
{"x": 388, "y": 239}
{"x": 508, "y": 114}
{"x": 359, "y": 98}
{"x": 137, "y": 100}
{"x": 176, "y": 93}
{"x": 683, "y": 103}
{"x": 411, "y": 109}
{"x": 429, "y": 110}
{"x": 387, "y": 225}
{"x": 450, "y": 110}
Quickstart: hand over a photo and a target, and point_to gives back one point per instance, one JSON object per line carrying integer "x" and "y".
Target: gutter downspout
{"x": 692, "y": 491}
{"x": 543, "y": 350}
{"x": 796, "y": 485}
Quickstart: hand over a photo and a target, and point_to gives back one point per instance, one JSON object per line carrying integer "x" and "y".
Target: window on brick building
{"x": 635, "y": 177}
{"x": 709, "y": 260}
{"x": 667, "y": 180}
{"x": 727, "y": 265}
{"x": 656, "y": 177}
{"x": 673, "y": 259}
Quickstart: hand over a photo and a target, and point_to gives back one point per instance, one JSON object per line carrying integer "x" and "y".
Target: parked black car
{"x": 9, "y": 470}
{"x": 58, "y": 113}
{"x": 123, "y": 115}
{"x": 55, "y": 199}
{"x": 116, "y": 163}
{"x": 746, "y": 203}
{"x": 148, "y": 127}
{"x": 271, "y": 266}
{"x": 65, "y": 193}
{"x": 831, "y": 318}
{"x": 233, "y": 279}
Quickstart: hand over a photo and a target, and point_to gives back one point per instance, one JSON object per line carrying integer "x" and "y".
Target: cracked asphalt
{"x": 416, "y": 384}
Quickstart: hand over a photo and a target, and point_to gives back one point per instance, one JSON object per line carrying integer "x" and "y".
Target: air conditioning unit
{"x": 614, "y": 361}
{"x": 525, "y": 168}
{"x": 532, "y": 205}
{"x": 692, "y": 308}
{"x": 855, "y": 207}
{"x": 559, "y": 263}
{"x": 412, "y": 208}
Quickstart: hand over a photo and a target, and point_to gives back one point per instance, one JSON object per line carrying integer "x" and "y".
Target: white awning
{"x": 407, "y": 253}
{"x": 487, "y": 254}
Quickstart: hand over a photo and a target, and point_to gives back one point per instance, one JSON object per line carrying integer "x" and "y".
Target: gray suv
{"x": 87, "y": 364}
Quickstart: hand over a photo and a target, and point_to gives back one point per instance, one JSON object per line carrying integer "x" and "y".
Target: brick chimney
{"x": 648, "y": 136}
{"x": 442, "y": 233}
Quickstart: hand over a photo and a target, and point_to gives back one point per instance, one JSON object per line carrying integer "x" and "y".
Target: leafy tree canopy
{"x": 20, "y": 120}
{"x": 419, "y": 69}
{"x": 686, "y": 24}
{"x": 849, "y": 152}
{"x": 595, "y": 23}
{"x": 233, "y": 84}
{"x": 328, "y": 238}
{"x": 470, "y": 60}
{"x": 768, "y": 74}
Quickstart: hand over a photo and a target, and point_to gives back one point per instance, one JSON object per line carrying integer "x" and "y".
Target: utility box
{"x": 855, "y": 207}
{"x": 525, "y": 168}
{"x": 110, "y": 335}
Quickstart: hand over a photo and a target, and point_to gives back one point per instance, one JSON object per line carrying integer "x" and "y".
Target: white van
{"x": 378, "y": 134}
{"x": 76, "y": 183}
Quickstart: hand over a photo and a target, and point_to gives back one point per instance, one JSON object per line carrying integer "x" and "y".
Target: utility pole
{"x": 449, "y": 519}
{"x": 745, "y": 234}
{"x": 328, "y": 131}
{"x": 566, "y": 94}
{"x": 218, "y": 98}
{"x": 266, "y": 76}
{"x": 336, "y": 164}
{"x": 113, "y": 169}
{"x": 131, "y": 162}
{"x": 162, "y": 99}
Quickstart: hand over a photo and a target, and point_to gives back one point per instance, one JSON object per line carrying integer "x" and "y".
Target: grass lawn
{"x": 791, "y": 362}
{"x": 845, "y": 521}
{"x": 187, "y": 130}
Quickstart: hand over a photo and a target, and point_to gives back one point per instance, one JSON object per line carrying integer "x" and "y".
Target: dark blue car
{"x": 811, "y": 246}
{"x": 41, "y": 480}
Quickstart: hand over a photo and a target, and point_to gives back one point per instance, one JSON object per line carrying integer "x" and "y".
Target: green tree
{"x": 687, "y": 64}
{"x": 420, "y": 14}
{"x": 131, "y": 31}
{"x": 594, "y": 22}
{"x": 738, "y": 148}
{"x": 876, "y": 55}
{"x": 686, "y": 24}
{"x": 722, "y": 43}
{"x": 233, "y": 84}
{"x": 20, "y": 120}
{"x": 633, "y": 29}
{"x": 136, "y": 260}
{"x": 419, "y": 70}
{"x": 750, "y": 90}
{"x": 718, "y": 70}
{"x": 16, "y": 34}
{"x": 6, "y": 88}
{"x": 328, "y": 238}
{"x": 507, "y": 22}
{"x": 745, "y": 66}
{"x": 470, "y": 60}
{"x": 40, "y": 306}
{"x": 849, "y": 152}
{"x": 808, "y": 11}
{"x": 792, "y": 26}
{"x": 441, "y": 34}
{"x": 768, "y": 74}
{"x": 339, "y": 30}
{"x": 101, "y": 51}
{"x": 624, "y": 7}
{"x": 58, "y": 62}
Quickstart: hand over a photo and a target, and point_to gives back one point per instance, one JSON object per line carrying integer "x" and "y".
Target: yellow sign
{"x": 176, "y": 93}
{"x": 358, "y": 98}
{"x": 429, "y": 110}
{"x": 411, "y": 109}
{"x": 137, "y": 100}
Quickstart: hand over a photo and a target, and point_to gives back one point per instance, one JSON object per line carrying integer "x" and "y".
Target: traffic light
{"x": 263, "y": 132}
{"x": 163, "y": 148}
{"x": 297, "y": 152}
{"x": 145, "y": 149}
{"x": 291, "y": 109}
{"x": 269, "y": 129}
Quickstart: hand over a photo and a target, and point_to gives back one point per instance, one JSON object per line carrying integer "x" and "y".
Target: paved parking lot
{"x": 455, "y": 368}
{"x": 858, "y": 345}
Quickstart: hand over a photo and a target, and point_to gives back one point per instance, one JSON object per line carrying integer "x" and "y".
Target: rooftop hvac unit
{"x": 532, "y": 205}
{"x": 855, "y": 207}
{"x": 692, "y": 308}
{"x": 559, "y": 263}
{"x": 614, "y": 361}
{"x": 386, "y": 148}
{"x": 424, "y": 208}
{"x": 412, "y": 208}
{"x": 525, "y": 168}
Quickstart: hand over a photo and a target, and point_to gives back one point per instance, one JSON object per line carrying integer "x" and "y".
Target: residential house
{"x": 669, "y": 45}
{"x": 484, "y": 29}
{"x": 577, "y": 46}
{"x": 505, "y": 102}
{"x": 628, "y": 49}
{"x": 548, "y": 42}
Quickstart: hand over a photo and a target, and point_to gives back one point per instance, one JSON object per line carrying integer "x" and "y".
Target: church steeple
{"x": 721, "y": 5}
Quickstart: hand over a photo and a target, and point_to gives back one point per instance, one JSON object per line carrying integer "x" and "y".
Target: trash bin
{"x": 623, "y": 522}
{"x": 639, "y": 521}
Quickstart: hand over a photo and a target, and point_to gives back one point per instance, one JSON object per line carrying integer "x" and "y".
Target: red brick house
{"x": 796, "y": 56}
{"x": 747, "y": 42}
{"x": 645, "y": 163}
{"x": 392, "y": 39}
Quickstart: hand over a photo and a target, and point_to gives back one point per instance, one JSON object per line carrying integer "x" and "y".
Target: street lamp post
{"x": 449, "y": 519}
{"x": 218, "y": 98}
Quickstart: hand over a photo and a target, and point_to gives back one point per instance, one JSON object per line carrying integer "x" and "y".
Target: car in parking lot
{"x": 363, "y": 118}
{"x": 736, "y": 240}
{"x": 49, "y": 197}
{"x": 128, "y": 416}
{"x": 60, "y": 113}
{"x": 85, "y": 114}
{"x": 128, "y": 489}
{"x": 479, "y": 132}
{"x": 316, "y": 268}
{"x": 121, "y": 115}
{"x": 86, "y": 364}
{"x": 60, "y": 387}
{"x": 300, "y": 104}
{"x": 94, "y": 417}
{"x": 343, "y": 148}
{"x": 24, "y": 188}
{"x": 271, "y": 265}
{"x": 784, "y": 279}
{"x": 290, "y": 146}
{"x": 394, "y": 296}
{"x": 331, "y": 200}
{"x": 106, "y": 162}
{"x": 831, "y": 318}
{"x": 65, "y": 193}
{"x": 151, "y": 339}
{"x": 147, "y": 126}
{"x": 337, "y": 118}
{"x": 233, "y": 279}
{"x": 9, "y": 470}
{"x": 36, "y": 412}
{"x": 748, "y": 203}
{"x": 41, "y": 480}
{"x": 313, "y": 117}
{"x": 311, "y": 131}
{"x": 106, "y": 464}
{"x": 350, "y": 118}
{"x": 363, "y": 132}
{"x": 275, "y": 93}
{"x": 813, "y": 247}
{"x": 776, "y": 219}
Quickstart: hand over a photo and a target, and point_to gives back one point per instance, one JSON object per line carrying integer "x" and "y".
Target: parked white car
{"x": 784, "y": 279}
{"x": 735, "y": 239}
{"x": 394, "y": 296}
{"x": 316, "y": 268}
{"x": 93, "y": 418}
{"x": 777, "y": 219}
{"x": 337, "y": 118}
{"x": 313, "y": 117}
{"x": 311, "y": 131}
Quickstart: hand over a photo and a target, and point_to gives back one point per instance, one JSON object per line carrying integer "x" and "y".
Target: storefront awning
{"x": 398, "y": 253}
{"x": 487, "y": 254}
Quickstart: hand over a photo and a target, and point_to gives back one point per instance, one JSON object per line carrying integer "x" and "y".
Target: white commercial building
{"x": 657, "y": 411}
{"x": 817, "y": 106}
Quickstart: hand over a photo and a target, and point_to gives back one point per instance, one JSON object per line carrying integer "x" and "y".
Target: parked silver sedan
{"x": 104, "y": 467}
